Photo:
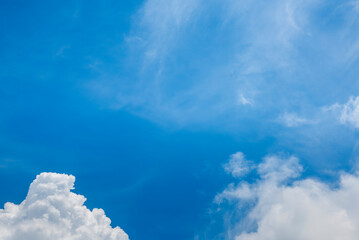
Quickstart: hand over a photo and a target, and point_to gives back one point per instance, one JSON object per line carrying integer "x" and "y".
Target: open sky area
{"x": 180, "y": 119}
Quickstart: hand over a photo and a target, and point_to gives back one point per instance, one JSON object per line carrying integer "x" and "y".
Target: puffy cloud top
{"x": 52, "y": 211}
{"x": 303, "y": 209}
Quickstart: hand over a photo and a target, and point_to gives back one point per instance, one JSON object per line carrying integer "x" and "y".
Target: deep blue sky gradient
{"x": 82, "y": 92}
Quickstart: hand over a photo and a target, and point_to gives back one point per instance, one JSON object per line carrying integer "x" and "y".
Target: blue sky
{"x": 145, "y": 101}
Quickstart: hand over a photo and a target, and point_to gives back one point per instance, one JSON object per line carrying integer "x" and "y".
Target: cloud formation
{"x": 159, "y": 24}
{"x": 52, "y": 211}
{"x": 283, "y": 208}
{"x": 238, "y": 165}
{"x": 348, "y": 113}
{"x": 292, "y": 120}
{"x": 216, "y": 63}
{"x": 226, "y": 62}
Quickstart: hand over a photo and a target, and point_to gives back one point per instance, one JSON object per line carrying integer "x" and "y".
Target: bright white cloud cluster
{"x": 52, "y": 211}
{"x": 297, "y": 210}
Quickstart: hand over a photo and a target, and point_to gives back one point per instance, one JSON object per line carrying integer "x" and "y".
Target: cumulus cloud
{"x": 52, "y": 211}
{"x": 284, "y": 208}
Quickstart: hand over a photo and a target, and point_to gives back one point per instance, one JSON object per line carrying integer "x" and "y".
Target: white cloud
{"x": 167, "y": 37}
{"x": 52, "y": 211}
{"x": 279, "y": 169}
{"x": 348, "y": 113}
{"x": 159, "y": 24}
{"x": 303, "y": 209}
{"x": 238, "y": 165}
{"x": 292, "y": 120}
{"x": 192, "y": 62}
{"x": 243, "y": 100}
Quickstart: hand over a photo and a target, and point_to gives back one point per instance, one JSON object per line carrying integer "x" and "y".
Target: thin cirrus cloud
{"x": 276, "y": 54}
{"x": 159, "y": 24}
{"x": 172, "y": 44}
{"x": 292, "y": 120}
{"x": 257, "y": 69}
{"x": 281, "y": 206}
{"x": 52, "y": 211}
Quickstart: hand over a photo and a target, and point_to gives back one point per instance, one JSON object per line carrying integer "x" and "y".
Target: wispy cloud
{"x": 292, "y": 120}
{"x": 61, "y": 51}
{"x": 159, "y": 25}
{"x": 187, "y": 68}
{"x": 347, "y": 113}
{"x": 243, "y": 100}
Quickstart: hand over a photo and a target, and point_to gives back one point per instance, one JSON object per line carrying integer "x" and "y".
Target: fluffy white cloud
{"x": 303, "y": 209}
{"x": 52, "y": 211}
